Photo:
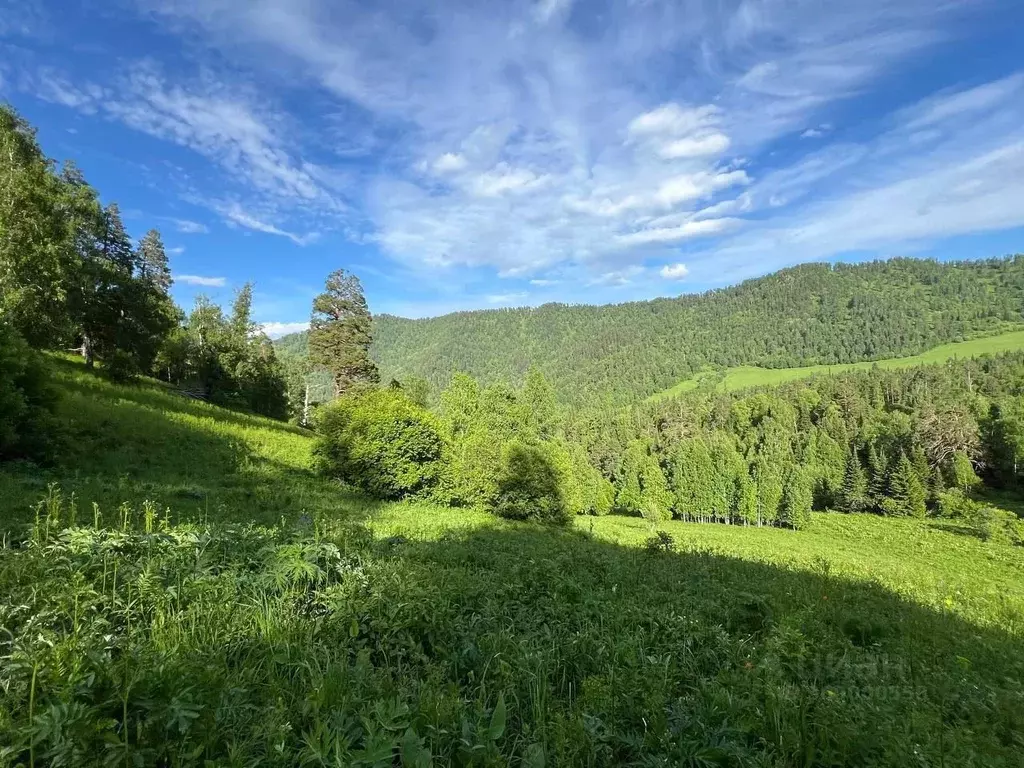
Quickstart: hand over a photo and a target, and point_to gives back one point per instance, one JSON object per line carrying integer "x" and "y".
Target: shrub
{"x": 382, "y": 443}
{"x": 27, "y": 429}
{"x": 954, "y": 504}
{"x": 661, "y": 542}
{"x": 998, "y": 526}
{"x": 529, "y": 485}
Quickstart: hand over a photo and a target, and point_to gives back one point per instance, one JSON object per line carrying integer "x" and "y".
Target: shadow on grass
{"x": 508, "y": 646}
{"x": 618, "y": 656}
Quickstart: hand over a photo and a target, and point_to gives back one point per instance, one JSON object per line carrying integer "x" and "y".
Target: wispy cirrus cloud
{"x": 189, "y": 227}
{"x": 543, "y": 143}
{"x": 230, "y": 128}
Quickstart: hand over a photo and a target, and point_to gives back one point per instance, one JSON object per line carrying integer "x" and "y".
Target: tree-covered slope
{"x": 812, "y": 314}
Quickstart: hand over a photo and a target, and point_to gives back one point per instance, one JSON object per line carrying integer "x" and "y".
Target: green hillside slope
{"x": 254, "y": 614}
{"x": 814, "y": 314}
{"x": 745, "y": 376}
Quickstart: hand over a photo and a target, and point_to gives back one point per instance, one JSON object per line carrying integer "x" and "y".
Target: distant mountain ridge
{"x": 812, "y": 314}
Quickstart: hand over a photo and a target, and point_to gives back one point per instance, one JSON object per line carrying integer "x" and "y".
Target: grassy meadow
{"x": 744, "y": 376}
{"x": 183, "y": 590}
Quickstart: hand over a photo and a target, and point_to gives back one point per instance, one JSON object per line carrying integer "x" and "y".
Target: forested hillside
{"x": 808, "y": 315}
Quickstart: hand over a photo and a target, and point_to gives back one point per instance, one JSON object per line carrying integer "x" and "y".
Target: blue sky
{"x": 471, "y": 155}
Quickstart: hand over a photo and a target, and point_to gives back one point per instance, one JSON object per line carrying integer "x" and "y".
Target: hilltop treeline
{"x": 71, "y": 278}
{"x": 808, "y": 315}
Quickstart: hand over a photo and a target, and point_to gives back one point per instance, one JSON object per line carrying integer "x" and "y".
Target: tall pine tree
{"x": 151, "y": 259}
{"x": 340, "y": 333}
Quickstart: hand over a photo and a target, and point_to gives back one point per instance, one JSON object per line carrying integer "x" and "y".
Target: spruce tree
{"x": 878, "y": 477}
{"x": 854, "y": 496}
{"x": 114, "y": 244}
{"x": 906, "y": 492}
{"x": 340, "y": 333}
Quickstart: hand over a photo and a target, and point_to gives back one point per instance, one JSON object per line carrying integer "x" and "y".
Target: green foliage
{"x": 1005, "y": 439}
{"x": 529, "y": 485}
{"x": 740, "y": 377}
{"x": 962, "y": 474}
{"x": 417, "y": 389}
{"x": 225, "y": 360}
{"x": 68, "y": 270}
{"x": 797, "y": 499}
{"x": 37, "y": 259}
{"x": 381, "y": 442}
{"x": 340, "y": 333}
{"x": 27, "y": 429}
{"x": 906, "y": 491}
{"x": 854, "y": 496}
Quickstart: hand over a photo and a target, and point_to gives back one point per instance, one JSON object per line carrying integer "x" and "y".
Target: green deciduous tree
{"x": 797, "y": 499}
{"x": 38, "y": 262}
{"x": 529, "y": 485}
{"x": 382, "y": 443}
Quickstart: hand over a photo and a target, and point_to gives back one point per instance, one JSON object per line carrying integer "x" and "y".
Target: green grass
{"x": 269, "y": 618}
{"x": 745, "y": 376}
{"x": 144, "y": 442}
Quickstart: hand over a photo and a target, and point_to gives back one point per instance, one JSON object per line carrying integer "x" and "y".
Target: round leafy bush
{"x": 382, "y": 443}
{"x": 530, "y": 485}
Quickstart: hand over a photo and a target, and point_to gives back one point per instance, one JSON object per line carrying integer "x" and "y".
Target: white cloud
{"x": 277, "y": 330}
{"x": 674, "y": 271}
{"x": 952, "y": 105}
{"x": 177, "y": 251}
{"x": 449, "y": 162}
{"x": 207, "y": 282}
{"x": 618, "y": 277}
{"x": 503, "y": 178}
{"x": 674, "y": 234}
{"x": 703, "y": 146}
{"x": 51, "y": 86}
{"x": 545, "y": 10}
{"x": 544, "y": 282}
{"x": 675, "y": 132}
{"x": 235, "y": 215}
{"x": 230, "y": 126}
{"x": 817, "y": 132}
{"x": 694, "y": 186}
{"x": 189, "y": 227}
{"x": 673, "y": 120}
